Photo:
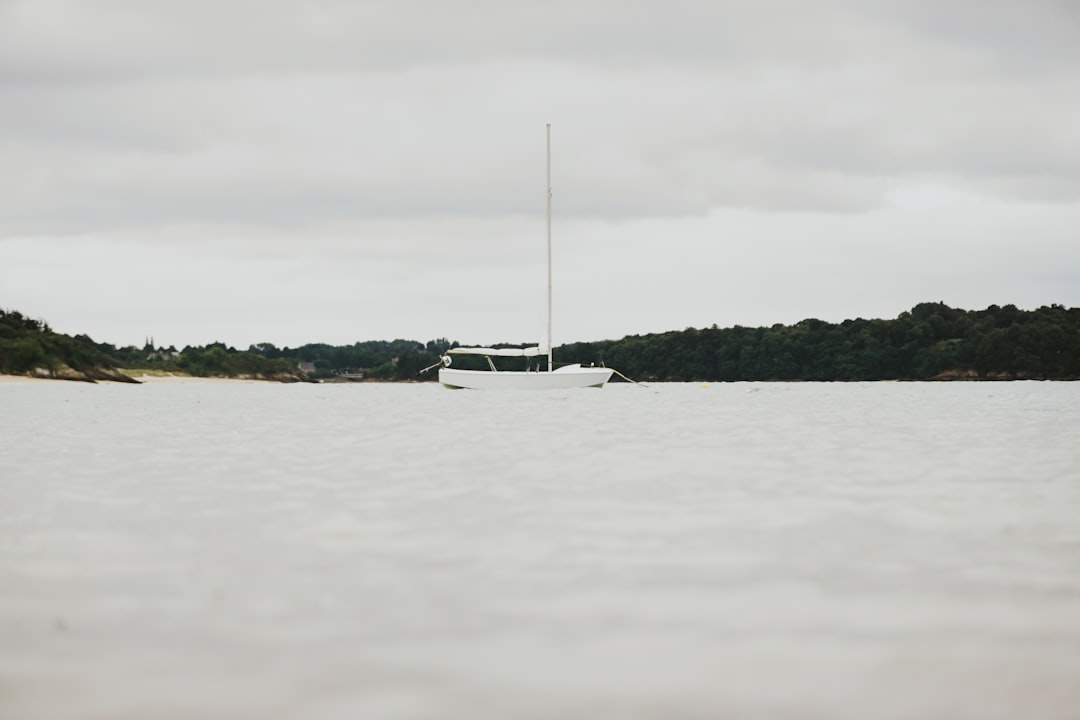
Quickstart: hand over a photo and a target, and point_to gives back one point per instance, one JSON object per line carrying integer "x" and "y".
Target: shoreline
{"x": 174, "y": 379}
{"x": 142, "y": 379}
{"x": 188, "y": 379}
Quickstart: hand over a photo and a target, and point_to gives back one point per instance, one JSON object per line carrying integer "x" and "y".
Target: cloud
{"x": 403, "y": 141}
{"x": 375, "y": 109}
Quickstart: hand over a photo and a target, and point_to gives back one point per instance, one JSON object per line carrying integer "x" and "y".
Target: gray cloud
{"x": 399, "y": 135}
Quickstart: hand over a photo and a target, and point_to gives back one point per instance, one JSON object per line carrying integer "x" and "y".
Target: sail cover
{"x": 498, "y": 352}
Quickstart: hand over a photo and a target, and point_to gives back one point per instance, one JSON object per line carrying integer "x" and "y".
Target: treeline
{"x": 374, "y": 359}
{"x": 213, "y": 360}
{"x": 29, "y": 346}
{"x": 217, "y": 360}
{"x": 932, "y": 341}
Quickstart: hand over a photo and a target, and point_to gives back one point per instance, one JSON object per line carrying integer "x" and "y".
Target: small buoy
{"x": 704, "y": 385}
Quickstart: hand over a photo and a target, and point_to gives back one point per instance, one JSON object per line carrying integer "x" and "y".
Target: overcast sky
{"x": 334, "y": 171}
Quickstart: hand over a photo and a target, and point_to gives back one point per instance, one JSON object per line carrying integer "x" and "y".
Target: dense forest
{"x": 931, "y": 342}
{"x": 29, "y": 346}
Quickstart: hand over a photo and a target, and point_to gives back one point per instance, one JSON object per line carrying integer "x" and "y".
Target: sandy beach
{"x": 171, "y": 379}
{"x": 183, "y": 379}
{"x": 15, "y": 379}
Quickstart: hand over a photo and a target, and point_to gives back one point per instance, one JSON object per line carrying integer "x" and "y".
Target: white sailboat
{"x": 568, "y": 376}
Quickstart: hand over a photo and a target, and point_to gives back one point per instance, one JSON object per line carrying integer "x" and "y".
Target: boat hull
{"x": 565, "y": 378}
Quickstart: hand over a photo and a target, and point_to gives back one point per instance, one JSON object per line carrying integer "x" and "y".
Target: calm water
{"x": 243, "y": 550}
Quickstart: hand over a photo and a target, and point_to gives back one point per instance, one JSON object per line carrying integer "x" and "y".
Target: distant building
{"x": 307, "y": 367}
{"x": 153, "y": 352}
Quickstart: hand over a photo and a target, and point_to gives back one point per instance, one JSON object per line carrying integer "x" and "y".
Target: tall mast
{"x": 550, "y": 366}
